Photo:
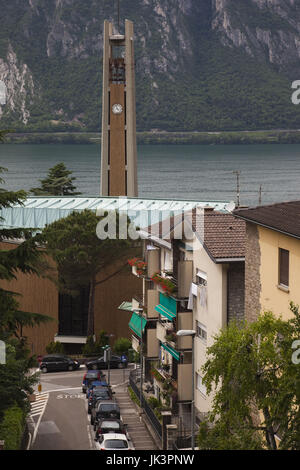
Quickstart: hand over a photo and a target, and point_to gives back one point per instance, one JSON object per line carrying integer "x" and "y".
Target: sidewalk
{"x": 137, "y": 430}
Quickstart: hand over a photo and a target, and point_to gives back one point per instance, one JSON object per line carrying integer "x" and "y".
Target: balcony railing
{"x": 162, "y": 376}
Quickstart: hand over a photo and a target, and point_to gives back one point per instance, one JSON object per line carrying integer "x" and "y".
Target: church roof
{"x": 39, "y": 211}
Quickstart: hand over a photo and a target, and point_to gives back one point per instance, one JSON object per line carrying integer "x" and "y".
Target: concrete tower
{"x": 119, "y": 152}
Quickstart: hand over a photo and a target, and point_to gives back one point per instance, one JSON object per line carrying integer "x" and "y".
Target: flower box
{"x": 166, "y": 284}
{"x": 139, "y": 266}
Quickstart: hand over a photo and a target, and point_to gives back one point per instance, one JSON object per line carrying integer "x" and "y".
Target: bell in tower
{"x": 119, "y": 150}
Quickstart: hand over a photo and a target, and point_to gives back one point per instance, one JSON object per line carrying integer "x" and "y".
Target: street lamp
{"x": 191, "y": 333}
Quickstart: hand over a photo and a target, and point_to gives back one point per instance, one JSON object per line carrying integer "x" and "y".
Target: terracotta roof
{"x": 283, "y": 217}
{"x": 224, "y": 235}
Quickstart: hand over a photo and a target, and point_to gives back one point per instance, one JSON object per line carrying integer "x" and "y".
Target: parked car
{"x": 113, "y": 442}
{"x": 106, "y": 409}
{"x": 111, "y": 425}
{"x": 102, "y": 394}
{"x": 116, "y": 362}
{"x": 95, "y": 383}
{"x": 90, "y": 377}
{"x": 58, "y": 362}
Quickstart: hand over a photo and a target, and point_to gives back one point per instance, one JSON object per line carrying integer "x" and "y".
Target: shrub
{"x": 55, "y": 347}
{"x": 122, "y": 345}
{"x": 92, "y": 347}
{"x": 133, "y": 396}
{"x": 12, "y": 427}
{"x": 154, "y": 403}
{"x": 89, "y": 347}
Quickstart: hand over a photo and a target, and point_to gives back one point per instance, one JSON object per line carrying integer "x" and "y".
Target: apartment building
{"x": 272, "y": 269}
{"x": 189, "y": 283}
{"x": 217, "y": 291}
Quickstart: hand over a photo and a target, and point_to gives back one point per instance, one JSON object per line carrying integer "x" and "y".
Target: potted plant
{"x": 139, "y": 266}
{"x": 166, "y": 284}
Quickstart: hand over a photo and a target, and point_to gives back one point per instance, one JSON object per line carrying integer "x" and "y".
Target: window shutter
{"x": 284, "y": 267}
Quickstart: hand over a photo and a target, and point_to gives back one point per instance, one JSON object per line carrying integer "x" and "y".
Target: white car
{"x": 112, "y": 441}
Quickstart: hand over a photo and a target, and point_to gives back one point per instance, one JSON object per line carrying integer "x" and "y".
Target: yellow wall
{"x": 271, "y": 297}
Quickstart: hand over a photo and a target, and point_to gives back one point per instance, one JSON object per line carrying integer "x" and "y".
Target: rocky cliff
{"x": 201, "y": 64}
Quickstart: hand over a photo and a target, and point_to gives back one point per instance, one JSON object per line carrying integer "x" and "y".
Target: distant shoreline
{"x": 279, "y": 136}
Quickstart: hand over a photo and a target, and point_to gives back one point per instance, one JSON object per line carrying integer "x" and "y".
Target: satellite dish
{"x": 230, "y": 207}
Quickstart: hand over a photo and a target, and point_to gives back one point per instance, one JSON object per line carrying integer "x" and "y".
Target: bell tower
{"x": 119, "y": 151}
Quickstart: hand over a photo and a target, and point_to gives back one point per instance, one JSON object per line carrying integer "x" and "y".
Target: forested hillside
{"x": 201, "y": 64}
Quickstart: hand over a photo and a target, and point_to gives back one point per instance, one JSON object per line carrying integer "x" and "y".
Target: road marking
{"x": 90, "y": 437}
{"x": 64, "y": 389}
{"x": 40, "y": 414}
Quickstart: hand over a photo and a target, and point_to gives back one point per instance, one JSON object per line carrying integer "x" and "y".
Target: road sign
{"x": 107, "y": 354}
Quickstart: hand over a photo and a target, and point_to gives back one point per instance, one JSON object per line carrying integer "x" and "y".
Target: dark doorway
{"x": 73, "y": 313}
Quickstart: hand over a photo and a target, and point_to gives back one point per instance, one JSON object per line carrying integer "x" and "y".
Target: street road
{"x": 59, "y": 418}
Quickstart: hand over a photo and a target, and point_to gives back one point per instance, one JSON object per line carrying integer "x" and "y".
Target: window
{"x": 201, "y": 278}
{"x": 199, "y": 384}
{"x": 284, "y": 265}
{"x": 73, "y": 313}
{"x": 201, "y": 331}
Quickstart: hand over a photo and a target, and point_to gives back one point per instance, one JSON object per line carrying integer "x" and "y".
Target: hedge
{"x": 12, "y": 427}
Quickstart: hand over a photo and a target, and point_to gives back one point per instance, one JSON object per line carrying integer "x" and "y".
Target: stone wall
{"x": 236, "y": 292}
{"x": 252, "y": 273}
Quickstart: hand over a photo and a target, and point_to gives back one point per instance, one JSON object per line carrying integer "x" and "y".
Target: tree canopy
{"x": 256, "y": 386}
{"x": 57, "y": 183}
{"x": 15, "y": 380}
{"x": 80, "y": 255}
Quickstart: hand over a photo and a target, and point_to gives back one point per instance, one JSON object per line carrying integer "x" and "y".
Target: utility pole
{"x": 237, "y": 173}
{"x": 260, "y": 195}
{"x": 118, "y": 7}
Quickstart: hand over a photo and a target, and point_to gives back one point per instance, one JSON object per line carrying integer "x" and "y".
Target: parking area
{"x": 59, "y": 419}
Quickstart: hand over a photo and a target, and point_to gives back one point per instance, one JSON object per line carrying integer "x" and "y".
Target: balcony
{"x": 161, "y": 332}
{"x": 152, "y": 301}
{"x": 184, "y": 382}
{"x": 185, "y": 278}
{"x": 184, "y": 322}
{"x": 162, "y": 376}
{"x": 138, "y": 266}
{"x": 152, "y": 343}
{"x": 153, "y": 261}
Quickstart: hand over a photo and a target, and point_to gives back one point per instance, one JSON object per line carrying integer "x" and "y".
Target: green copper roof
{"x": 37, "y": 212}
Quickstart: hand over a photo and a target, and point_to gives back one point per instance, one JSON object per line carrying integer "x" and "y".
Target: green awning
{"x": 135, "y": 324}
{"x": 165, "y": 312}
{"x": 172, "y": 351}
{"x": 127, "y": 306}
{"x": 167, "y": 306}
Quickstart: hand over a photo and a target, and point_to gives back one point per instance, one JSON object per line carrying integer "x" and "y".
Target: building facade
{"x": 272, "y": 269}
{"x": 189, "y": 284}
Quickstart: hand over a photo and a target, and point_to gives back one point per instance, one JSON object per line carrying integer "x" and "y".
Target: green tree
{"x": 55, "y": 347}
{"x": 256, "y": 385}
{"x": 58, "y": 183}
{"x": 80, "y": 255}
{"x": 93, "y": 347}
{"x": 122, "y": 345}
{"x": 15, "y": 381}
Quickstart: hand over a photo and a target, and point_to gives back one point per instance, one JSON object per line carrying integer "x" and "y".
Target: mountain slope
{"x": 201, "y": 64}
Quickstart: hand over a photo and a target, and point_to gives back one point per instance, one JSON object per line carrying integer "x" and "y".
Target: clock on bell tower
{"x": 119, "y": 152}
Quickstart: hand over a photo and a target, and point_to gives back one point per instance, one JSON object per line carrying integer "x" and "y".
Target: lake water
{"x": 170, "y": 171}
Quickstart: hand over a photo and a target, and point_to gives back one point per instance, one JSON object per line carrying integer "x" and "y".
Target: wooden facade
{"x": 40, "y": 295}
